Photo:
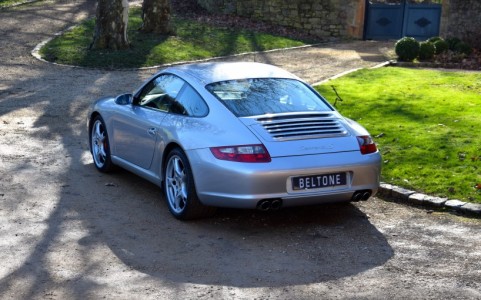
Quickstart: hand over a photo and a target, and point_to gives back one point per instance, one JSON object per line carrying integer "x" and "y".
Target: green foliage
{"x": 426, "y": 50}
{"x": 407, "y": 49}
{"x": 452, "y": 42}
{"x": 435, "y": 39}
{"x": 441, "y": 46}
{"x": 425, "y": 123}
{"x": 463, "y": 48}
{"x": 193, "y": 40}
{"x": 7, "y": 3}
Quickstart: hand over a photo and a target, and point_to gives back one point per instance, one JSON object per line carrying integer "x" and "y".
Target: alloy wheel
{"x": 176, "y": 184}
{"x": 99, "y": 144}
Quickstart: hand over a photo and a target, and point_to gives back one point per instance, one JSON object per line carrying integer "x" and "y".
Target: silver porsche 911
{"x": 242, "y": 135}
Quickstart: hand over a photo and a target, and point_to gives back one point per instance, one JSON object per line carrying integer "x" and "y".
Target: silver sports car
{"x": 242, "y": 135}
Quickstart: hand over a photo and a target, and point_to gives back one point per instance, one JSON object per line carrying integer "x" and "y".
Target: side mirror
{"x": 124, "y": 99}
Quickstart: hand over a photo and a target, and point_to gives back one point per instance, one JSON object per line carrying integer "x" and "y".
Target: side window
{"x": 161, "y": 92}
{"x": 190, "y": 103}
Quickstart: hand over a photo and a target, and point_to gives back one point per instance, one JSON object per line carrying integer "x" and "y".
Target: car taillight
{"x": 244, "y": 153}
{"x": 366, "y": 144}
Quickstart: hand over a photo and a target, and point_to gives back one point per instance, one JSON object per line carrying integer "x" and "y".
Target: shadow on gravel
{"x": 241, "y": 248}
{"x": 103, "y": 225}
{"x": 97, "y": 215}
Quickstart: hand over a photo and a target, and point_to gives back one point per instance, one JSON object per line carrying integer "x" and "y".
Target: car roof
{"x": 222, "y": 71}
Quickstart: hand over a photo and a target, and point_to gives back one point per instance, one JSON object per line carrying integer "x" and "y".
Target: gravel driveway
{"x": 69, "y": 232}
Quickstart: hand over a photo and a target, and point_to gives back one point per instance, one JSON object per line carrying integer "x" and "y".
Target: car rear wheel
{"x": 99, "y": 145}
{"x": 180, "y": 189}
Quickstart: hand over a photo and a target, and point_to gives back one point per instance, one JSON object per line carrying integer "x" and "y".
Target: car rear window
{"x": 253, "y": 97}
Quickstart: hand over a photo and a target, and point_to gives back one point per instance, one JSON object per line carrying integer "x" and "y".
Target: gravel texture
{"x": 69, "y": 232}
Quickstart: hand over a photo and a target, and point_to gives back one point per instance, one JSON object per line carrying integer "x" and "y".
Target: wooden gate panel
{"x": 422, "y": 21}
{"x": 391, "y": 19}
{"x": 384, "y": 21}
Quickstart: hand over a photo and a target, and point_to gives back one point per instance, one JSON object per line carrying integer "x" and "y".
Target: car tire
{"x": 100, "y": 146}
{"x": 179, "y": 189}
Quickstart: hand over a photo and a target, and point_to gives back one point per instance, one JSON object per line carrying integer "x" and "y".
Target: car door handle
{"x": 152, "y": 131}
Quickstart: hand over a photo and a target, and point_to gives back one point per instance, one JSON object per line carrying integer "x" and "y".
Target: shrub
{"x": 407, "y": 49}
{"x": 435, "y": 39}
{"x": 463, "y": 48}
{"x": 426, "y": 50}
{"x": 452, "y": 42}
{"x": 441, "y": 46}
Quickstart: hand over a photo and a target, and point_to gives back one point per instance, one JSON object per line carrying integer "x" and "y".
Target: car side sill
{"x": 146, "y": 174}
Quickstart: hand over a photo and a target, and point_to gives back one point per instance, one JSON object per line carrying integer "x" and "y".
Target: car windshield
{"x": 253, "y": 97}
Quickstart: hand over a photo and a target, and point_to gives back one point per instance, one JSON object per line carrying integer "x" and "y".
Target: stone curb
{"x": 433, "y": 65}
{"x": 401, "y": 195}
{"x": 380, "y": 65}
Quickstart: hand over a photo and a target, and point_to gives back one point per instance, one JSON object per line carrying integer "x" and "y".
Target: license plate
{"x": 318, "y": 181}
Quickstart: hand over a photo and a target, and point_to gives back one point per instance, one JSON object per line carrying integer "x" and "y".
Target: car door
{"x": 136, "y": 131}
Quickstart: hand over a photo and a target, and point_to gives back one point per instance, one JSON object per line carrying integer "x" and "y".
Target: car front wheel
{"x": 99, "y": 145}
{"x": 180, "y": 189}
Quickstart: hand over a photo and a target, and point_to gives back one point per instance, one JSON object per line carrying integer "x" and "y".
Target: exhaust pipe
{"x": 366, "y": 195}
{"x": 269, "y": 204}
{"x": 357, "y": 196}
{"x": 276, "y": 204}
{"x": 361, "y": 195}
{"x": 264, "y": 205}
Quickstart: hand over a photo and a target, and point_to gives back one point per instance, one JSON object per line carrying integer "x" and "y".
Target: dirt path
{"x": 68, "y": 232}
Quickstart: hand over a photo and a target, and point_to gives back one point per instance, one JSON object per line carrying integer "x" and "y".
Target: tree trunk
{"x": 156, "y": 17}
{"x": 111, "y": 25}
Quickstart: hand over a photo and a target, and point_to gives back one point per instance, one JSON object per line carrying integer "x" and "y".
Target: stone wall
{"x": 462, "y": 19}
{"x": 321, "y": 18}
{"x": 345, "y": 18}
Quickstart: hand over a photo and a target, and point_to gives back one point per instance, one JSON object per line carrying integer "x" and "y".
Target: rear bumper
{"x": 243, "y": 185}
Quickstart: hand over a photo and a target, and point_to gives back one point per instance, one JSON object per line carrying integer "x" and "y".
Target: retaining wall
{"x": 462, "y": 19}
{"x": 321, "y": 18}
{"x": 345, "y": 18}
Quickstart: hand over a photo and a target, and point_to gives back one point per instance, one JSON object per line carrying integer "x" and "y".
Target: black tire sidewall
{"x": 193, "y": 208}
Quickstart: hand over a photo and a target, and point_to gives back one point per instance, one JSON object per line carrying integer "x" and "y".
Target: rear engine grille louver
{"x": 303, "y": 126}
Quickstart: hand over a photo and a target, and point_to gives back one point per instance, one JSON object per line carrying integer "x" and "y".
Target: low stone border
{"x": 380, "y": 65}
{"x": 399, "y": 194}
{"x": 432, "y": 65}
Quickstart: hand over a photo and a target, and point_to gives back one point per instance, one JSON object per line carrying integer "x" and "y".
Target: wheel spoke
{"x": 102, "y": 152}
{"x": 97, "y": 152}
{"x": 183, "y": 191}
{"x": 178, "y": 168}
{"x": 98, "y": 134}
{"x": 178, "y": 200}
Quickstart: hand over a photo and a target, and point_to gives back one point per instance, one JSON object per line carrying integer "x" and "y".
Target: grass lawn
{"x": 425, "y": 122}
{"x": 193, "y": 41}
{"x": 5, "y": 3}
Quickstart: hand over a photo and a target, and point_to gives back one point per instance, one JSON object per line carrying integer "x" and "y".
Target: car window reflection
{"x": 251, "y": 97}
{"x": 171, "y": 94}
{"x": 161, "y": 92}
